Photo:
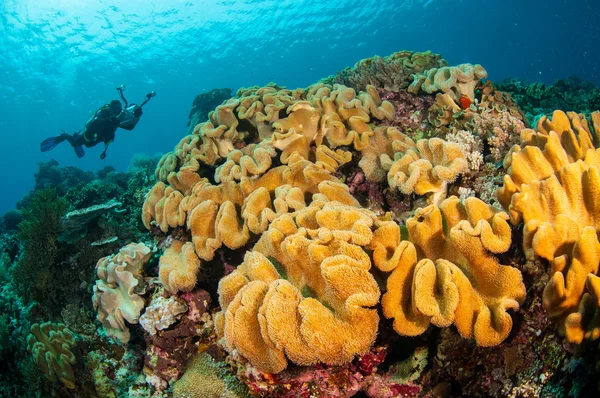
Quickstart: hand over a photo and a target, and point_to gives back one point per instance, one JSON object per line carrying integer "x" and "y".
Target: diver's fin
{"x": 79, "y": 151}
{"x": 51, "y": 143}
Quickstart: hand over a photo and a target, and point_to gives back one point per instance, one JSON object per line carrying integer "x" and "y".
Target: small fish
{"x": 464, "y": 101}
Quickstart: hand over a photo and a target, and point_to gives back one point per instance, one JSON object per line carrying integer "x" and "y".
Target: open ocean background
{"x": 62, "y": 59}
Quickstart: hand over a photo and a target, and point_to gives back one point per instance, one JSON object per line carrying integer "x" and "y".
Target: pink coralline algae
{"x": 411, "y": 111}
{"x": 359, "y": 184}
{"x": 330, "y": 381}
{"x": 169, "y": 350}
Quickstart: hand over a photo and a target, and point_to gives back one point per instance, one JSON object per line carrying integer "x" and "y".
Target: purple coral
{"x": 333, "y": 381}
{"x": 411, "y": 110}
{"x": 169, "y": 350}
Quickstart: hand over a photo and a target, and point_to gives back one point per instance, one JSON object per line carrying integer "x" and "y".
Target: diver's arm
{"x": 130, "y": 127}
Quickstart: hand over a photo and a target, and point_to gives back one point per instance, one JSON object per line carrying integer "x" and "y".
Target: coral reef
{"x": 341, "y": 239}
{"x": 308, "y": 267}
{"x": 570, "y": 94}
{"x": 392, "y": 72}
{"x": 555, "y": 199}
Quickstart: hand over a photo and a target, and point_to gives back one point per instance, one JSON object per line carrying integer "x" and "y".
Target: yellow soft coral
{"x": 456, "y": 81}
{"x": 449, "y": 274}
{"x": 179, "y": 267}
{"x": 226, "y": 214}
{"x": 337, "y": 116}
{"x": 305, "y": 293}
{"x": 377, "y": 157}
{"x": 428, "y": 168}
{"x": 50, "y": 345}
{"x": 563, "y": 140}
{"x": 552, "y": 185}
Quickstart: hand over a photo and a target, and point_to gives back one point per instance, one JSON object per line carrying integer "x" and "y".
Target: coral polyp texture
{"x": 552, "y": 187}
{"x": 447, "y": 272}
{"x": 398, "y": 229}
{"x": 51, "y": 347}
{"x": 305, "y": 291}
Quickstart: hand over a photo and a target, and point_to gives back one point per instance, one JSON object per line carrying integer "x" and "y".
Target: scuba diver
{"x": 101, "y": 126}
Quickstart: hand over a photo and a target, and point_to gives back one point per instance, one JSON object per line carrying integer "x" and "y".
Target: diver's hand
{"x": 103, "y": 155}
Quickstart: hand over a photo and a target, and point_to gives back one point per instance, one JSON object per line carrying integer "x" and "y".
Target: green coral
{"x": 50, "y": 346}
{"x": 35, "y": 271}
{"x": 205, "y": 378}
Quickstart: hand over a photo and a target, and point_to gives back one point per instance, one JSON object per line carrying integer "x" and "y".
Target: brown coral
{"x": 305, "y": 292}
{"x": 392, "y": 73}
{"x": 449, "y": 274}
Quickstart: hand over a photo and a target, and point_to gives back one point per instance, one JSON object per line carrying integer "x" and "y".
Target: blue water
{"x": 62, "y": 59}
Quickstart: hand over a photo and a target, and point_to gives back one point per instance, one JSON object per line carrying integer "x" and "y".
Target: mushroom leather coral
{"x": 305, "y": 293}
{"x": 226, "y": 214}
{"x": 447, "y": 273}
{"x": 252, "y": 160}
{"x": 179, "y": 267}
{"x": 562, "y": 216}
{"x": 563, "y": 140}
{"x": 456, "y": 81}
{"x": 558, "y": 204}
{"x": 114, "y": 296}
{"x": 50, "y": 345}
{"x": 336, "y": 114}
{"x": 377, "y": 157}
{"x": 428, "y": 168}
{"x": 162, "y": 205}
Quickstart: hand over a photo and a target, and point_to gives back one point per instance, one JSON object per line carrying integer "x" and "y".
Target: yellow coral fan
{"x": 456, "y": 81}
{"x": 50, "y": 345}
{"x": 179, "y": 267}
{"x": 305, "y": 293}
{"x": 428, "y": 168}
{"x": 449, "y": 274}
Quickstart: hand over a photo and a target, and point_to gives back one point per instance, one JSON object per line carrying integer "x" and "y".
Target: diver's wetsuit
{"x": 100, "y": 130}
{"x": 102, "y": 127}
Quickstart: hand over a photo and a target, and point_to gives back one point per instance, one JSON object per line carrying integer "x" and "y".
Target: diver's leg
{"x": 52, "y": 142}
{"x": 75, "y": 140}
